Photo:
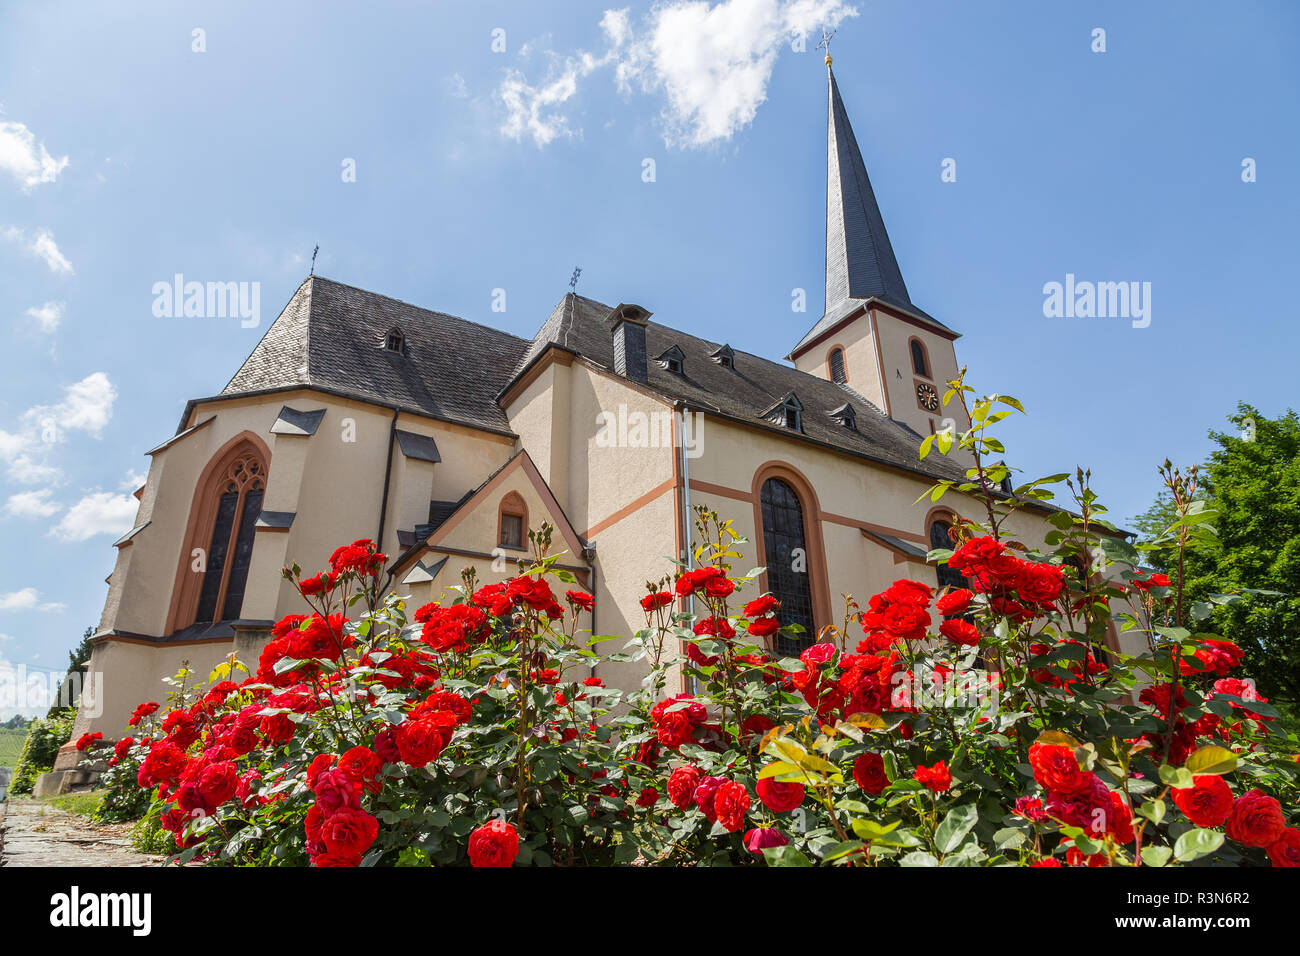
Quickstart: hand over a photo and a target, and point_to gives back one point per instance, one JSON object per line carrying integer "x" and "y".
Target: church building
{"x": 360, "y": 416}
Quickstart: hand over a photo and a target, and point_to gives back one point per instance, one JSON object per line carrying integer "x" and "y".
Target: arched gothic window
{"x": 837, "y": 366}
{"x": 785, "y": 552}
{"x": 239, "y": 489}
{"x": 920, "y": 361}
{"x": 941, "y": 537}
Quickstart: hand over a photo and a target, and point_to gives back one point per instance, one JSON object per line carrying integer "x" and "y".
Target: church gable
{"x": 488, "y": 530}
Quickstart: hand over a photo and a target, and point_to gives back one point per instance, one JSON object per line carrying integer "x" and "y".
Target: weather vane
{"x": 573, "y": 281}
{"x": 313, "y": 260}
{"x": 826, "y": 43}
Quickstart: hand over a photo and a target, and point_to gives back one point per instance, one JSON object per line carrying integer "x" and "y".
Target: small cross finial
{"x": 313, "y": 260}
{"x": 573, "y": 280}
{"x": 826, "y": 43}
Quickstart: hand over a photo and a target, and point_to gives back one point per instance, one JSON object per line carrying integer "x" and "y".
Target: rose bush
{"x": 991, "y": 724}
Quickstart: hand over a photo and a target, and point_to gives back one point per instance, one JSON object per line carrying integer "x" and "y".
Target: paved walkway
{"x": 36, "y": 834}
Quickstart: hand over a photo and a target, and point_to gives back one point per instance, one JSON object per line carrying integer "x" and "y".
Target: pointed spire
{"x": 860, "y": 261}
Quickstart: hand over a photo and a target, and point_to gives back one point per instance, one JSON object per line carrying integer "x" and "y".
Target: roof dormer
{"x": 674, "y": 360}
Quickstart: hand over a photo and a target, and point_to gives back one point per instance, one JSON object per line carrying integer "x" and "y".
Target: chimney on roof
{"x": 628, "y": 323}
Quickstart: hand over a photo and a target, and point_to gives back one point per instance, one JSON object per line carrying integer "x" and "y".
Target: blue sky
{"x": 127, "y": 157}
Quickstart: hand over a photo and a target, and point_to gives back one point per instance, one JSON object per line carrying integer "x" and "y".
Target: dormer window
{"x": 674, "y": 360}
{"x": 793, "y": 413}
{"x": 724, "y": 356}
{"x": 395, "y": 341}
{"x": 846, "y": 416}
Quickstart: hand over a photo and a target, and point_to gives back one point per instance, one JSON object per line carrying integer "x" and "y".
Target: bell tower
{"x": 871, "y": 337}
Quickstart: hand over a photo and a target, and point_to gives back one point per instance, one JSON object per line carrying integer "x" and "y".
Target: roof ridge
{"x": 411, "y": 305}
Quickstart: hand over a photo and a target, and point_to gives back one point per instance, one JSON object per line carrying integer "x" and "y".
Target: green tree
{"x": 1252, "y": 480}
{"x": 78, "y": 661}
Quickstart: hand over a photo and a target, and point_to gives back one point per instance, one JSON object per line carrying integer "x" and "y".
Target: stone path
{"x": 36, "y": 834}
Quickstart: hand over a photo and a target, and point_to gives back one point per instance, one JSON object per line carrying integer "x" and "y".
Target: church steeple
{"x": 860, "y": 262}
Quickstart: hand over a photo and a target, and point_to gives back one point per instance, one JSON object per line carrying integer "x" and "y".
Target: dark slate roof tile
{"x": 331, "y": 336}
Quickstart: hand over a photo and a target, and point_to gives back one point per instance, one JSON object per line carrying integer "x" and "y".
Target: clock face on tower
{"x": 927, "y": 397}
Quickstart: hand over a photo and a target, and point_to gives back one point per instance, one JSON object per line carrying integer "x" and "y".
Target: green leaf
{"x": 1212, "y": 760}
{"x": 1180, "y": 778}
{"x": 955, "y": 826}
{"x": 1196, "y": 843}
{"x": 785, "y": 856}
{"x": 1153, "y": 810}
{"x": 1156, "y": 855}
{"x": 919, "y": 858}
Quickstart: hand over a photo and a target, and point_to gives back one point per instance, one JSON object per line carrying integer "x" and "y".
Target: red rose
{"x": 419, "y": 741}
{"x": 715, "y": 627}
{"x": 705, "y": 794}
{"x": 87, "y": 741}
{"x": 763, "y": 627}
{"x": 495, "y": 843}
{"x": 648, "y": 797}
{"x": 1217, "y": 656}
{"x": 652, "y": 602}
{"x": 1285, "y": 850}
{"x": 314, "y": 585}
{"x": 936, "y": 778}
{"x": 675, "y": 729}
{"x": 1207, "y": 802}
{"x": 141, "y": 712}
{"x": 766, "y": 604}
{"x": 335, "y": 791}
{"x": 869, "y": 772}
{"x": 908, "y": 592}
{"x": 730, "y": 803}
{"x": 1056, "y": 769}
{"x": 954, "y": 602}
{"x": 531, "y": 590}
{"x": 779, "y": 797}
{"x": 905, "y": 621}
{"x": 218, "y": 783}
{"x": 1256, "y": 819}
{"x": 349, "y": 831}
{"x": 698, "y": 657}
{"x": 580, "y": 599}
{"x": 362, "y": 766}
{"x": 1040, "y": 583}
{"x": 960, "y": 632}
{"x": 817, "y": 655}
{"x": 681, "y": 785}
{"x": 760, "y": 838}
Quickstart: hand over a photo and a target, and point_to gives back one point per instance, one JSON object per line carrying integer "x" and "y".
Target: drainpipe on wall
{"x": 388, "y": 474}
{"x": 688, "y": 528}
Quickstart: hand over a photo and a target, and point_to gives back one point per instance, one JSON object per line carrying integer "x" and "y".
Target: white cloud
{"x": 711, "y": 62}
{"x": 42, "y": 245}
{"x": 87, "y": 406}
{"x": 456, "y": 87}
{"x": 27, "y": 599}
{"x": 32, "y": 504}
{"x": 100, "y": 512}
{"x": 48, "y": 315}
{"x": 25, "y": 159}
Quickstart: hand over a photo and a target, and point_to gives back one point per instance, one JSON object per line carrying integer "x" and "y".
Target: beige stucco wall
{"x": 868, "y": 376}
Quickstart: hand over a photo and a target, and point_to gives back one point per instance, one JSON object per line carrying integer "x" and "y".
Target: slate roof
{"x": 860, "y": 260}
{"x": 331, "y": 337}
{"x": 745, "y": 392}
